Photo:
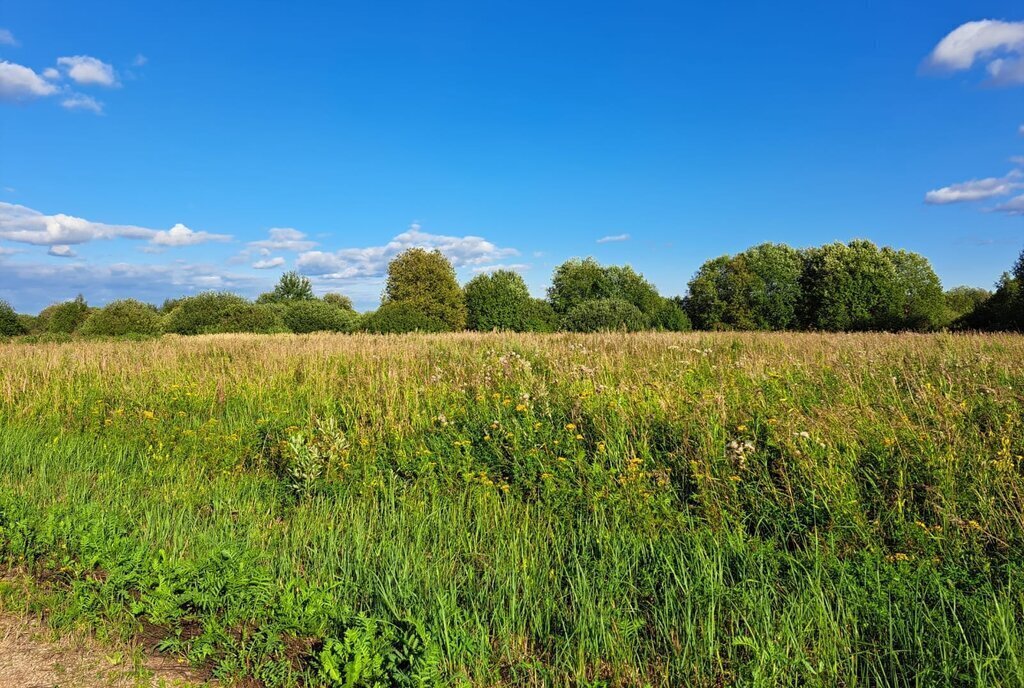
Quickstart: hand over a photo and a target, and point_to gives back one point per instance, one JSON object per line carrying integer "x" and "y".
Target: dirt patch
{"x": 31, "y": 658}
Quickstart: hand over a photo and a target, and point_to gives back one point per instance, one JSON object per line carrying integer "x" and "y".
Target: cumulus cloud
{"x": 7, "y": 38}
{"x": 370, "y": 262}
{"x": 269, "y": 263}
{"x": 78, "y": 101}
{"x": 975, "y": 189}
{"x": 62, "y": 251}
{"x": 25, "y": 225}
{"x": 180, "y": 235}
{"x": 1014, "y": 206}
{"x": 88, "y": 71}
{"x": 613, "y": 237}
{"x": 283, "y": 239}
{"x": 997, "y": 44}
{"x": 18, "y": 82}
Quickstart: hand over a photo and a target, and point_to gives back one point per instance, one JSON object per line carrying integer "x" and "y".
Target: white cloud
{"x": 270, "y": 263}
{"x": 78, "y": 101}
{"x": 613, "y": 237}
{"x": 998, "y": 43}
{"x": 7, "y": 38}
{"x": 1017, "y": 160}
{"x": 283, "y": 239}
{"x": 4, "y": 251}
{"x": 140, "y": 60}
{"x": 18, "y": 82}
{"x": 352, "y": 263}
{"x": 975, "y": 189}
{"x": 28, "y": 226}
{"x": 62, "y": 251}
{"x": 86, "y": 70}
{"x": 180, "y": 235}
{"x": 51, "y": 73}
{"x": 1014, "y": 206}
{"x": 514, "y": 267}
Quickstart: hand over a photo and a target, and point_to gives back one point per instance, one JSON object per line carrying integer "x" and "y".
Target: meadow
{"x": 524, "y": 509}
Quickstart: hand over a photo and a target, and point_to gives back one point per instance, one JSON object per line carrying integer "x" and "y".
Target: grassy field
{"x": 498, "y": 510}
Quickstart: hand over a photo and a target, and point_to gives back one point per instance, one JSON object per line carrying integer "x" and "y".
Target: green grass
{"x": 487, "y": 510}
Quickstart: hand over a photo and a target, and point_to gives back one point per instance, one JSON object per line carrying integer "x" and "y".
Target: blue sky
{"x": 155, "y": 149}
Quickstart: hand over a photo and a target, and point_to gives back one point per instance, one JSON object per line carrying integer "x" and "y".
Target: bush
{"x": 577, "y": 281}
{"x": 317, "y": 316}
{"x": 204, "y": 313}
{"x": 540, "y": 317}
{"x": 124, "y": 317}
{"x": 257, "y": 318}
{"x": 67, "y": 317}
{"x": 10, "y": 325}
{"x": 399, "y": 317}
{"x": 670, "y": 317}
{"x": 497, "y": 301}
{"x": 601, "y": 315}
{"x": 30, "y": 324}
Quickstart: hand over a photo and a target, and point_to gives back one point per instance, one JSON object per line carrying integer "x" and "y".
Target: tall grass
{"x": 530, "y": 510}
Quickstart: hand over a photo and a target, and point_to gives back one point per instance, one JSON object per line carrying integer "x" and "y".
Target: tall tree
{"x": 499, "y": 300}
{"x": 426, "y": 279}
{"x": 291, "y": 287}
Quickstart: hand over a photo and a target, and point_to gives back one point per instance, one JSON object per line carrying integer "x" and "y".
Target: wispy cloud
{"x": 268, "y": 263}
{"x": 975, "y": 189}
{"x": 78, "y": 101}
{"x": 372, "y": 261}
{"x": 612, "y": 238}
{"x": 999, "y": 45}
{"x": 7, "y": 38}
{"x": 1014, "y": 206}
{"x": 284, "y": 239}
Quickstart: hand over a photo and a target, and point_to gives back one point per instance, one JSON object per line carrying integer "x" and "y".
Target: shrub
{"x": 30, "y": 324}
{"x": 257, "y": 318}
{"x": 339, "y": 301}
{"x": 66, "y": 317}
{"x": 540, "y": 317}
{"x": 499, "y": 300}
{"x": 124, "y": 317}
{"x": 317, "y": 316}
{"x": 203, "y": 313}
{"x": 427, "y": 279}
{"x": 670, "y": 317}
{"x": 399, "y": 317}
{"x": 604, "y": 314}
{"x": 10, "y": 325}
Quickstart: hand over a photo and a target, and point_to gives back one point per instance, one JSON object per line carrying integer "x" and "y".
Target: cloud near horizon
{"x": 371, "y": 262}
{"x": 612, "y": 238}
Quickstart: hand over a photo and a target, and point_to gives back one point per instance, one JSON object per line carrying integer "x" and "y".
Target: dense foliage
{"x": 314, "y": 315}
{"x": 290, "y": 287}
{"x": 600, "y": 315}
{"x": 124, "y": 317}
{"x": 66, "y": 317}
{"x": 10, "y": 325}
{"x": 426, "y": 281}
{"x": 399, "y": 317}
{"x": 498, "y": 301}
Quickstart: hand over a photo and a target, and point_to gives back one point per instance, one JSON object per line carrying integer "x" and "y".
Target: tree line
{"x": 837, "y": 287}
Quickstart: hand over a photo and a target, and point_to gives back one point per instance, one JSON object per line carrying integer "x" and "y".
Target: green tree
{"x": 426, "y": 281}
{"x": 205, "y": 313}
{"x": 291, "y": 287}
{"x": 339, "y": 301}
{"x": 962, "y": 301}
{"x": 919, "y": 297}
{"x": 499, "y": 300}
{"x": 850, "y": 287}
{"x": 578, "y": 281}
{"x": 671, "y": 317}
{"x": 317, "y": 316}
{"x": 10, "y": 325}
{"x": 398, "y": 317}
{"x": 67, "y": 317}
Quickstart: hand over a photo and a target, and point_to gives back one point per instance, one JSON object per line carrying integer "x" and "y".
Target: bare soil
{"x": 30, "y": 657}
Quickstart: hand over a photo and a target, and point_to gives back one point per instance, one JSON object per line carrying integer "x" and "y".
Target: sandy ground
{"x": 30, "y": 657}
